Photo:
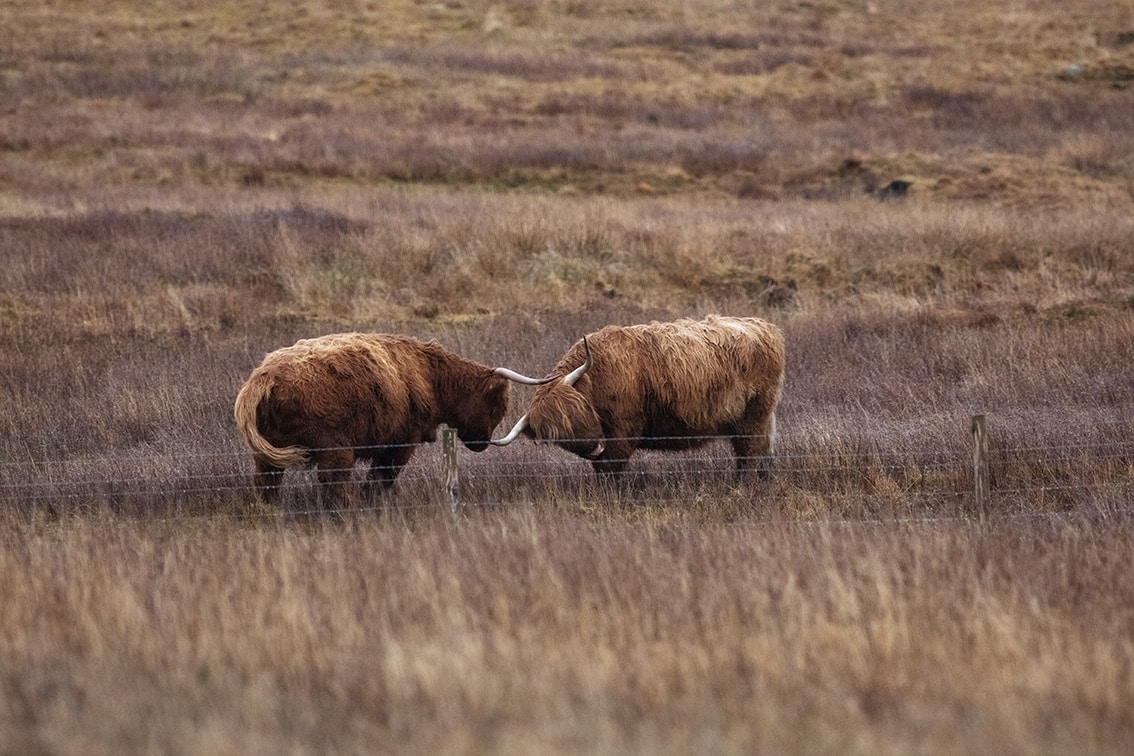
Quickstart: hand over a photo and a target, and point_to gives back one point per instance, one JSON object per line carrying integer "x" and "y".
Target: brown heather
{"x": 185, "y": 187}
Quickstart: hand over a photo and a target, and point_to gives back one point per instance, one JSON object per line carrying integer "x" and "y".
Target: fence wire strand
{"x": 1033, "y": 469}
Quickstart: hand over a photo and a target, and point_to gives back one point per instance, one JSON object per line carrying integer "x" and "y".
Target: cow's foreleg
{"x": 388, "y": 463}
{"x": 609, "y": 469}
{"x": 611, "y": 463}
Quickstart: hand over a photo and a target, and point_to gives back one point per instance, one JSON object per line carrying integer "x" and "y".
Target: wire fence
{"x": 860, "y": 477}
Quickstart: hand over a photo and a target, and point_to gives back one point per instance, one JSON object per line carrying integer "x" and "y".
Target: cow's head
{"x": 563, "y": 415}
{"x": 480, "y": 411}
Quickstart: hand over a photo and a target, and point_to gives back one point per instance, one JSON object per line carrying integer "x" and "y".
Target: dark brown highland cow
{"x": 664, "y": 386}
{"x": 334, "y": 399}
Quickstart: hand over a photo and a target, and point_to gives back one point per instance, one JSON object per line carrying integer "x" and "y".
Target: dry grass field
{"x": 187, "y": 186}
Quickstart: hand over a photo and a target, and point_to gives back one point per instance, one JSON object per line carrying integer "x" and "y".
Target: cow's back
{"x": 343, "y": 388}
{"x": 696, "y": 373}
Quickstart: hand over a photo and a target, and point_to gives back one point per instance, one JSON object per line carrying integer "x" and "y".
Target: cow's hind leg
{"x": 267, "y": 482}
{"x": 754, "y": 446}
{"x": 334, "y": 468}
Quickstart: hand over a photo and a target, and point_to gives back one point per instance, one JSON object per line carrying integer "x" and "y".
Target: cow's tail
{"x": 255, "y": 391}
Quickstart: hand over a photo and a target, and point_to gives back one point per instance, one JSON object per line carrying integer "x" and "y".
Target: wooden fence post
{"x": 981, "y": 485}
{"x": 449, "y": 445}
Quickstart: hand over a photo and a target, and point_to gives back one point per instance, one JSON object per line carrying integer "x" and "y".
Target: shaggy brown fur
{"x": 667, "y": 386}
{"x": 333, "y": 399}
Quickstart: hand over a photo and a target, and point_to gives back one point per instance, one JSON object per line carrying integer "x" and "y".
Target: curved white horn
{"x": 577, "y": 373}
{"x": 512, "y": 375}
{"x": 568, "y": 380}
{"x": 516, "y": 431}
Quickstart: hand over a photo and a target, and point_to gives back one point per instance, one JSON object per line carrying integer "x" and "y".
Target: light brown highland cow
{"x": 664, "y": 386}
{"x": 331, "y": 400}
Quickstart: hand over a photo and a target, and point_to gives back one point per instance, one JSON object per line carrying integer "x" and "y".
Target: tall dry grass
{"x": 534, "y": 630}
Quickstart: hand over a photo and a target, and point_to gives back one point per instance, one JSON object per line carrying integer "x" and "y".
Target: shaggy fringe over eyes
{"x": 552, "y": 420}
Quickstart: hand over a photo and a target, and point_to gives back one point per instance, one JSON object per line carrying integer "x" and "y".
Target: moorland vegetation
{"x": 187, "y": 186}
